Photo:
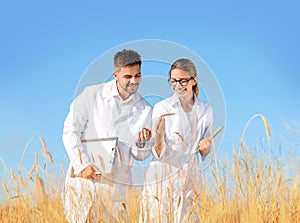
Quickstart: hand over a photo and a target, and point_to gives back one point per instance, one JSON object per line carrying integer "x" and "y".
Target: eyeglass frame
{"x": 179, "y": 81}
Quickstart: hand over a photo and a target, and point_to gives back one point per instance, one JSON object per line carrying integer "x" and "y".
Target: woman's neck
{"x": 187, "y": 103}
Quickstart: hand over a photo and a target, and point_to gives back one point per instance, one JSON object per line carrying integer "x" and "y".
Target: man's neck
{"x": 123, "y": 94}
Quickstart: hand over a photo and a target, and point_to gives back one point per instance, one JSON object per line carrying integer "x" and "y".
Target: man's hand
{"x": 142, "y": 137}
{"x": 89, "y": 173}
{"x": 204, "y": 146}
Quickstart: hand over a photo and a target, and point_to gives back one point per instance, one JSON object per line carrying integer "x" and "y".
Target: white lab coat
{"x": 99, "y": 112}
{"x": 174, "y": 176}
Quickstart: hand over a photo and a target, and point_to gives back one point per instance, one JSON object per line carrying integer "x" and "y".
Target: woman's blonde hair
{"x": 188, "y": 66}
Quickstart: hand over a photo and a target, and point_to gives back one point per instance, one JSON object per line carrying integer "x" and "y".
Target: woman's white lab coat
{"x": 176, "y": 174}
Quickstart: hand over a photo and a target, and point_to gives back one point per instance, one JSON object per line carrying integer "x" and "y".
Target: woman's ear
{"x": 195, "y": 80}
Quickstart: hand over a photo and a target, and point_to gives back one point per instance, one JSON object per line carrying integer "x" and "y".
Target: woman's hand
{"x": 160, "y": 128}
{"x": 204, "y": 146}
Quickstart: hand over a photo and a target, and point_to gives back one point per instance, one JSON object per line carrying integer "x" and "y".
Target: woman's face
{"x": 182, "y": 77}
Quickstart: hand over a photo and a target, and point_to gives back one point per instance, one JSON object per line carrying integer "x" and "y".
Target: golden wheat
{"x": 246, "y": 189}
{"x": 254, "y": 193}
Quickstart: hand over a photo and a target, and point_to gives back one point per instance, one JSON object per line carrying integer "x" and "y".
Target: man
{"x": 112, "y": 109}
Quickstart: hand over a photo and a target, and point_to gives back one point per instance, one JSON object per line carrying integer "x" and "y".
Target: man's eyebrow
{"x": 131, "y": 75}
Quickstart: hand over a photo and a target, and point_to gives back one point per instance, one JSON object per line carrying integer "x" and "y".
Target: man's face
{"x": 128, "y": 80}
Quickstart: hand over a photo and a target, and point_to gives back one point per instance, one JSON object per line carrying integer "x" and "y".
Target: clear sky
{"x": 45, "y": 47}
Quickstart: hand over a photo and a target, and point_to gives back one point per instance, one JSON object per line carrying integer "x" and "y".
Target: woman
{"x": 181, "y": 140}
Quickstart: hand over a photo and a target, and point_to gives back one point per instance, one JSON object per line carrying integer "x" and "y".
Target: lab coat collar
{"x": 174, "y": 100}
{"x": 110, "y": 90}
{"x": 114, "y": 89}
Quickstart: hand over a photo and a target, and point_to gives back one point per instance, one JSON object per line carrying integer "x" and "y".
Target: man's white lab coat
{"x": 100, "y": 112}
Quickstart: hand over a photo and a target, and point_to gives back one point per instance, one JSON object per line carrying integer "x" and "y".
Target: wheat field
{"x": 247, "y": 188}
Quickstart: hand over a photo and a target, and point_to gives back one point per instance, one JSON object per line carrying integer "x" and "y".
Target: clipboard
{"x": 102, "y": 153}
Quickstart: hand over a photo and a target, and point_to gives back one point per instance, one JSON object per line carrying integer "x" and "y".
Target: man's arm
{"x": 74, "y": 126}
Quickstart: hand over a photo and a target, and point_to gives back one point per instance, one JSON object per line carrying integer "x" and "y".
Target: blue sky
{"x": 45, "y": 47}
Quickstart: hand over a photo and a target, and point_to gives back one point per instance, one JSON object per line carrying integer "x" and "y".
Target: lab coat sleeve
{"x": 74, "y": 127}
{"x": 141, "y": 153}
{"x": 209, "y": 122}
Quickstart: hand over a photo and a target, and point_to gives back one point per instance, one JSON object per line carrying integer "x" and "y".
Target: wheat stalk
{"x": 168, "y": 114}
{"x": 101, "y": 162}
{"x": 13, "y": 175}
{"x": 4, "y": 188}
{"x": 80, "y": 156}
{"x": 20, "y": 181}
{"x": 34, "y": 166}
{"x": 46, "y": 152}
{"x": 267, "y": 128}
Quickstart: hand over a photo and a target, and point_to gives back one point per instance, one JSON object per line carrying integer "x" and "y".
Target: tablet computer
{"x": 102, "y": 153}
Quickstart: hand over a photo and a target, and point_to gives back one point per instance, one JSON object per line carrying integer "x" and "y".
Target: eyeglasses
{"x": 182, "y": 81}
